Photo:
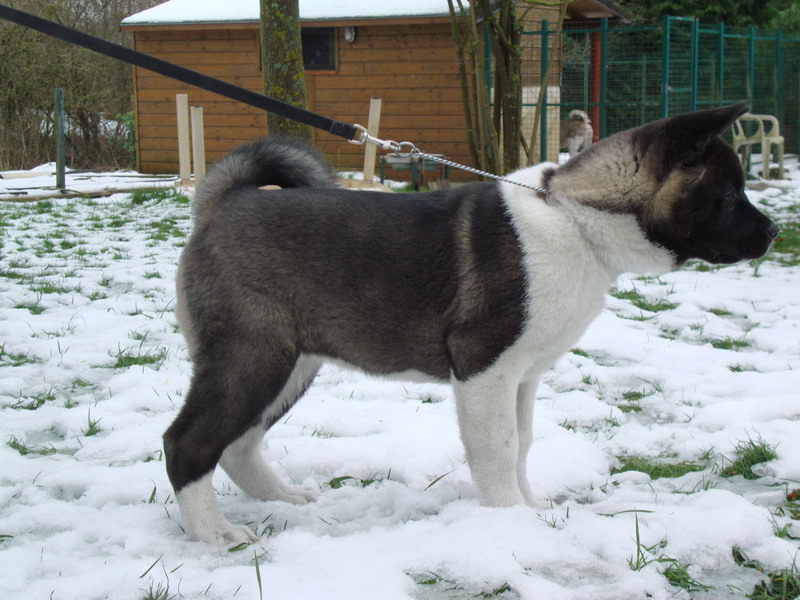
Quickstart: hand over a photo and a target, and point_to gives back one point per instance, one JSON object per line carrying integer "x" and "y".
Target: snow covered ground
{"x": 676, "y": 374}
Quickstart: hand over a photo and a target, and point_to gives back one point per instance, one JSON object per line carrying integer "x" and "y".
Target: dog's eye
{"x": 691, "y": 161}
{"x": 733, "y": 194}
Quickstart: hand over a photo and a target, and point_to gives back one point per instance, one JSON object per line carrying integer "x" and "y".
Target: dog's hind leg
{"x": 487, "y": 417}
{"x": 245, "y": 465}
{"x": 227, "y": 396}
{"x": 243, "y": 461}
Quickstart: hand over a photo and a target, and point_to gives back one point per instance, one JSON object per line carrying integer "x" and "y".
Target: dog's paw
{"x": 226, "y": 534}
{"x": 298, "y": 494}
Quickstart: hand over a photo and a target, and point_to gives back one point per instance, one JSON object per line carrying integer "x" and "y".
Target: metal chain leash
{"x": 416, "y": 153}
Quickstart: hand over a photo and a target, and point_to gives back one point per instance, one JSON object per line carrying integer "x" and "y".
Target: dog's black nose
{"x": 773, "y": 230}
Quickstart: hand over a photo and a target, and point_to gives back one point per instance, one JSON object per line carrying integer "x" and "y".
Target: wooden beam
{"x": 182, "y": 108}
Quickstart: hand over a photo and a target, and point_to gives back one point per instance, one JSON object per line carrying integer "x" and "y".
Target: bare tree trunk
{"x": 483, "y": 129}
{"x": 493, "y": 115}
{"x": 282, "y": 63}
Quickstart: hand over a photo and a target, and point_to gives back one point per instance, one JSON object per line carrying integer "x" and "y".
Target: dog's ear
{"x": 689, "y": 134}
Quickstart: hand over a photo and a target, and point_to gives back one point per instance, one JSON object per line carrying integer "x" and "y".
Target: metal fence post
{"x": 721, "y": 63}
{"x": 693, "y": 66}
{"x": 665, "y": 39}
{"x": 543, "y": 90}
{"x": 603, "y": 73}
{"x": 61, "y": 182}
{"x": 751, "y": 65}
{"x": 778, "y": 77}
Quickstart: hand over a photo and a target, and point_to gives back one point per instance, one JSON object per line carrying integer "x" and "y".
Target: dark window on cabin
{"x": 318, "y": 48}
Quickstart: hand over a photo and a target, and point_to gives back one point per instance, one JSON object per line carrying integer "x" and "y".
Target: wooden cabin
{"x": 399, "y": 50}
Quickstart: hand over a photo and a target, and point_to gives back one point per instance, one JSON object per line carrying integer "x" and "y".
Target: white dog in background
{"x": 576, "y": 132}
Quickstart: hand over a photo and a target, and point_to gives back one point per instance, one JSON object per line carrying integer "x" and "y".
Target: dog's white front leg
{"x": 526, "y": 396}
{"x": 487, "y": 418}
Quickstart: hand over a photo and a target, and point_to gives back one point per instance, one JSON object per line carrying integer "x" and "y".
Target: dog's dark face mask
{"x": 700, "y": 209}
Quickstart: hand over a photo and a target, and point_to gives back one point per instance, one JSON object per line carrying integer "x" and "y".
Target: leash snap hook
{"x": 363, "y": 137}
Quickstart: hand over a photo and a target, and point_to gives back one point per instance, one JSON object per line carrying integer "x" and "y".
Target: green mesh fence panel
{"x": 624, "y": 76}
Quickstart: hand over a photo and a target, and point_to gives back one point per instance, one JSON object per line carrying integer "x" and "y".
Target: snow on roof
{"x": 212, "y": 11}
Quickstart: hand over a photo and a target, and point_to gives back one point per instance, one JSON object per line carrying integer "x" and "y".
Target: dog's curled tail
{"x": 272, "y": 160}
{"x": 579, "y": 115}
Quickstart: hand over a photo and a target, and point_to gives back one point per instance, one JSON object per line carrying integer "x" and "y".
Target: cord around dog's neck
{"x": 544, "y": 191}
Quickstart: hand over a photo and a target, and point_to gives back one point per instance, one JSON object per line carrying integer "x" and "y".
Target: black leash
{"x": 183, "y": 74}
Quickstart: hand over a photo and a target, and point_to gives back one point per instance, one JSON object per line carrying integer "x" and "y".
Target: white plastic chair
{"x": 767, "y": 134}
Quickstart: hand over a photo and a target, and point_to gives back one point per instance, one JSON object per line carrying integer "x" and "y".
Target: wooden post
{"x": 198, "y": 145}
{"x": 182, "y": 107}
{"x": 373, "y": 126}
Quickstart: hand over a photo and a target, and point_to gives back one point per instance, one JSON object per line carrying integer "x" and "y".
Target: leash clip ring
{"x": 364, "y": 137}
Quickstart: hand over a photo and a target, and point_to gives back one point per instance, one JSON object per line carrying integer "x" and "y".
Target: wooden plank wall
{"x": 229, "y": 54}
{"x": 412, "y": 67}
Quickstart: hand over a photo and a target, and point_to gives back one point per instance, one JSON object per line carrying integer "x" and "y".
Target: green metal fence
{"x": 624, "y": 76}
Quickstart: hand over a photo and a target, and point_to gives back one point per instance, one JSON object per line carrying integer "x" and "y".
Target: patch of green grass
{"x": 782, "y": 585}
{"x": 131, "y": 358}
{"x": 748, "y": 453}
{"x": 116, "y": 223}
{"x": 656, "y": 470}
{"x": 34, "y": 402}
{"x": 738, "y": 368}
{"x": 138, "y": 336}
{"x": 79, "y": 383}
{"x": 742, "y": 560}
{"x": 158, "y": 194}
{"x": 43, "y": 207}
{"x": 338, "y": 482}
{"x": 437, "y": 586}
{"x": 46, "y": 287}
{"x": 165, "y": 229}
{"x": 15, "y": 276}
{"x": 158, "y": 592}
{"x": 635, "y": 395}
{"x": 703, "y": 267}
{"x": 68, "y": 244}
{"x": 26, "y": 450}
{"x": 678, "y": 575}
{"x": 92, "y": 427}
{"x": 729, "y": 344}
{"x": 97, "y": 295}
{"x": 644, "y": 555}
{"x": 630, "y": 400}
{"x": 782, "y": 531}
{"x": 16, "y": 359}
{"x": 670, "y": 334}
{"x": 792, "y": 507}
{"x": 35, "y": 309}
{"x": 642, "y": 303}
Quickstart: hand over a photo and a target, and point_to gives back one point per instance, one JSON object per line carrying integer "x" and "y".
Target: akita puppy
{"x": 484, "y": 285}
{"x": 576, "y": 132}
